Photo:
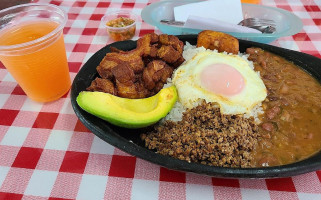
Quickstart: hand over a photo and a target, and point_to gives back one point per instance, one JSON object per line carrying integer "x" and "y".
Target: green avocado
{"x": 128, "y": 113}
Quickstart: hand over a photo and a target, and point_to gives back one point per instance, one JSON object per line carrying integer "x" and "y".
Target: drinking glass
{"x": 33, "y": 51}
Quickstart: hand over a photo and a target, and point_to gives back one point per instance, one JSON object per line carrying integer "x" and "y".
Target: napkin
{"x": 218, "y": 15}
{"x": 216, "y": 25}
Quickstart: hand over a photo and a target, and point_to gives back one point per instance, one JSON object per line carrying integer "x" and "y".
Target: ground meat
{"x": 207, "y": 137}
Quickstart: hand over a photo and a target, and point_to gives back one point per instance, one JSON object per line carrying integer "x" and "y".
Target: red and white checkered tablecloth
{"x": 46, "y": 153}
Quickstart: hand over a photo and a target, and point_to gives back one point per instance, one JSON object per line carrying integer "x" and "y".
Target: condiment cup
{"x": 120, "y": 33}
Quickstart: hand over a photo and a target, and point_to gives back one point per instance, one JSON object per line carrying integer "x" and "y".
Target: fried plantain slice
{"x": 219, "y": 41}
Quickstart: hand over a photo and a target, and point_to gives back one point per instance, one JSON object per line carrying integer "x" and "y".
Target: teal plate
{"x": 287, "y": 23}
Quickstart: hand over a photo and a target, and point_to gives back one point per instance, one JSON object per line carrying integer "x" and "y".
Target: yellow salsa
{"x": 121, "y": 34}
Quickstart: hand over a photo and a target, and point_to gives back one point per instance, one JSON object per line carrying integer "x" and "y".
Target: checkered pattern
{"x": 46, "y": 153}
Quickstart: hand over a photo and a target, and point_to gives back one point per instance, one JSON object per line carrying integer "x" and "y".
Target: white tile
{"x": 86, "y": 58}
{"x": 73, "y": 39}
{"x": 3, "y": 173}
{"x": 137, "y": 11}
{"x": 145, "y": 190}
{"x": 9, "y": 78}
{"x": 302, "y": 15}
{"x": 79, "y": 23}
{"x": 102, "y": 147}
{"x": 193, "y": 192}
{"x": 311, "y": 29}
{"x": 317, "y": 45}
{"x": 117, "y": 1}
{"x": 67, "y": 107}
{"x": 289, "y": 45}
{"x": 268, "y": 3}
{"x": 87, "y": 10}
{"x": 92, "y": 187}
{"x": 100, "y": 39}
{"x": 306, "y": 196}
{"x": 15, "y": 136}
{"x": 68, "y": 54}
{"x": 41, "y": 183}
{"x": 142, "y": 1}
{"x": 30, "y": 105}
{"x": 253, "y": 194}
{"x": 3, "y": 99}
{"x": 294, "y": 3}
{"x": 59, "y": 140}
{"x": 65, "y": 8}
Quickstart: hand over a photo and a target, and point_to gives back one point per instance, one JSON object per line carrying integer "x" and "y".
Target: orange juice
{"x": 40, "y": 68}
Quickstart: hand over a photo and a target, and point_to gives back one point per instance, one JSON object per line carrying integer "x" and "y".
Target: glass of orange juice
{"x": 33, "y": 51}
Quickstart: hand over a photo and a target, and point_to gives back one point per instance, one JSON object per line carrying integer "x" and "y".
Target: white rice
{"x": 189, "y": 52}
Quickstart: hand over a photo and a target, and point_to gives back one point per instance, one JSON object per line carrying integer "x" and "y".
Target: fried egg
{"x": 222, "y": 78}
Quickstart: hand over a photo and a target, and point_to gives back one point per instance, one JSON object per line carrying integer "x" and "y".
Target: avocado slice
{"x": 128, "y": 113}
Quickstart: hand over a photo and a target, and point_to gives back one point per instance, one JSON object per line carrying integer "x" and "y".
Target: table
{"x": 46, "y": 153}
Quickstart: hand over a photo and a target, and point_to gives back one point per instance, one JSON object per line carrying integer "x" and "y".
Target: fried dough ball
{"x": 219, "y": 41}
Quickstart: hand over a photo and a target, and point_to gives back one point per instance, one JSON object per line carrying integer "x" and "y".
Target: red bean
{"x": 284, "y": 89}
{"x": 273, "y": 98}
{"x": 273, "y": 112}
{"x": 268, "y": 126}
{"x": 263, "y": 64}
{"x": 251, "y": 51}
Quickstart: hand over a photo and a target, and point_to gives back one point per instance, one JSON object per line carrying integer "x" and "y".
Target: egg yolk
{"x": 222, "y": 79}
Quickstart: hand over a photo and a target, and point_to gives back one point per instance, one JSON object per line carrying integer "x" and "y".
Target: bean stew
{"x": 290, "y": 128}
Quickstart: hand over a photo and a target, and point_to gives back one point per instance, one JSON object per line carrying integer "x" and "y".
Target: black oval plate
{"x": 129, "y": 141}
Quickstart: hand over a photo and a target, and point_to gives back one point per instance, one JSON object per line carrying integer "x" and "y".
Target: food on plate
{"x": 206, "y": 136}
{"x": 121, "y": 28}
{"x": 282, "y": 128}
{"x": 141, "y": 72}
{"x": 217, "y": 40}
{"x": 220, "y": 99}
{"x": 290, "y": 126}
{"x": 252, "y": 109}
{"x": 129, "y": 113}
{"x": 216, "y": 77}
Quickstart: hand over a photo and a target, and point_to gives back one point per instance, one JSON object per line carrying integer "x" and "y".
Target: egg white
{"x": 190, "y": 89}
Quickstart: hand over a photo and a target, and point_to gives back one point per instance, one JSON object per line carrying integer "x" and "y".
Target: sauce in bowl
{"x": 121, "y": 28}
